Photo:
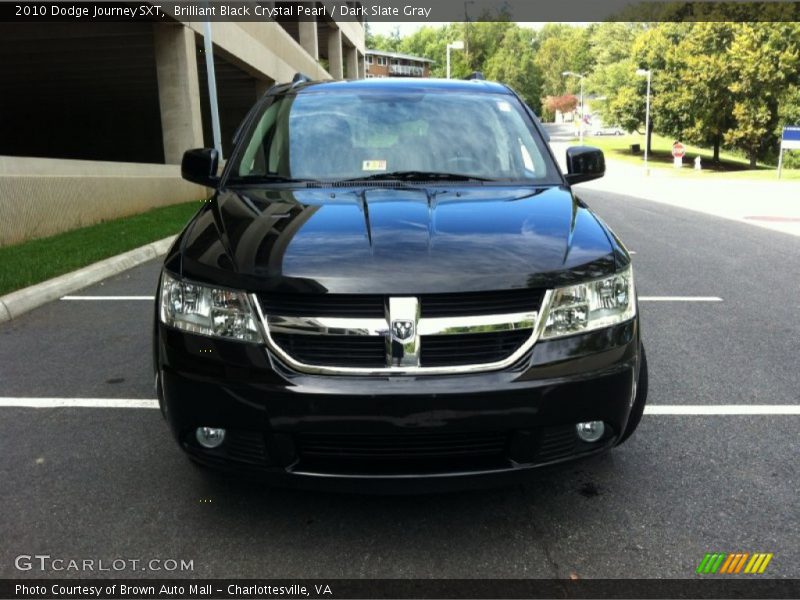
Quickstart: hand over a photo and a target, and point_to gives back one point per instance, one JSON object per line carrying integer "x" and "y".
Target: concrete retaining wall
{"x": 42, "y": 196}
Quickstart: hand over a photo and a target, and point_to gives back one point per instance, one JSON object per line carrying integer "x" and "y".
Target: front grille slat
{"x": 334, "y": 350}
{"x": 480, "y": 303}
{"x": 325, "y": 305}
{"x": 431, "y": 305}
{"x": 442, "y": 350}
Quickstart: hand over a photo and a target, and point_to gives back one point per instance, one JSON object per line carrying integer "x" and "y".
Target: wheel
{"x": 638, "y": 404}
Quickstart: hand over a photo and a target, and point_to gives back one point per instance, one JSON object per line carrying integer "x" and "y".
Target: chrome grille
{"x": 395, "y": 335}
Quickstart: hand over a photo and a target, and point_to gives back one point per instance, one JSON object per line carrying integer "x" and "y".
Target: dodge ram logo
{"x": 403, "y": 330}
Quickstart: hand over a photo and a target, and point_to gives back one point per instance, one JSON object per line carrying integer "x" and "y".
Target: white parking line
{"x": 151, "y": 298}
{"x": 680, "y": 299}
{"x": 722, "y": 409}
{"x": 650, "y": 409}
{"x": 78, "y": 403}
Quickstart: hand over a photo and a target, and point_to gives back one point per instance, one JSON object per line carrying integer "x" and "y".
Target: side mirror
{"x": 584, "y": 163}
{"x": 200, "y": 166}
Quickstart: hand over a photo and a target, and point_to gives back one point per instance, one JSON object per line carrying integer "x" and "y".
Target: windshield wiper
{"x": 418, "y": 176}
{"x": 268, "y": 178}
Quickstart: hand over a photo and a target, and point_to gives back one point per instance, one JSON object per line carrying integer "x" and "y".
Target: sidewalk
{"x": 770, "y": 204}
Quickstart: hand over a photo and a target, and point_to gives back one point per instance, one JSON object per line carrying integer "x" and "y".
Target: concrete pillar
{"x": 335, "y": 66}
{"x": 178, "y": 90}
{"x": 362, "y": 66}
{"x": 308, "y": 37}
{"x": 351, "y": 55}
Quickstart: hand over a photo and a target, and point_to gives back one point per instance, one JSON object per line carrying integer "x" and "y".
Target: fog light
{"x": 210, "y": 437}
{"x": 591, "y": 431}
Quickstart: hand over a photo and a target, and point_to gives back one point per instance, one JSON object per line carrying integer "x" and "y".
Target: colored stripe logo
{"x": 722, "y": 563}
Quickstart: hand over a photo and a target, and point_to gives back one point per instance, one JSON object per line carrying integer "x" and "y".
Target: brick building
{"x": 394, "y": 64}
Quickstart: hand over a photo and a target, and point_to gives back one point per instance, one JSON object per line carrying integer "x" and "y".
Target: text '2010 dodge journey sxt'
{"x": 394, "y": 287}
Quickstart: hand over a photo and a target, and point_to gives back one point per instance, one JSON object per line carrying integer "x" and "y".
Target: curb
{"x": 17, "y": 303}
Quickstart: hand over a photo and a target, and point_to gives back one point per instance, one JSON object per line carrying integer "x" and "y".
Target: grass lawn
{"x": 731, "y": 165}
{"x": 37, "y": 260}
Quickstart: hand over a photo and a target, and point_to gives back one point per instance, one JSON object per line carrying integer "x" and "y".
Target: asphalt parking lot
{"x": 111, "y": 483}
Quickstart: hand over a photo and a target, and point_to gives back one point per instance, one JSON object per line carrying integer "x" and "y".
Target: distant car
{"x": 613, "y": 130}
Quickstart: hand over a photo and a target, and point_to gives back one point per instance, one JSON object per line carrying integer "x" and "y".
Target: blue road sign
{"x": 791, "y": 137}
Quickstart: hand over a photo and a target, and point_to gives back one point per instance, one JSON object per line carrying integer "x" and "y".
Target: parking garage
{"x": 96, "y": 116}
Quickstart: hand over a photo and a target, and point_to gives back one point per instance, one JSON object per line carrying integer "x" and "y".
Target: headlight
{"x": 591, "y": 305}
{"x": 207, "y": 310}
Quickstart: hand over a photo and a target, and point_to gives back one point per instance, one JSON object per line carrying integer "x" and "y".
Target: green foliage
{"x": 562, "y": 48}
{"x": 377, "y": 41}
{"x": 503, "y": 51}
{"x": 763, "y": 60}
{"x": 513, "y": 64}
{"x": 692, "y": 98}
{"x": 713, "y": 82}
{"x": 719, "y": 77}
{"x": 37, "y": 260}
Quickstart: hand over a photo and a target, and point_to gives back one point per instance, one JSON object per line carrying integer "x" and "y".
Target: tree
{"x": 562, "y": 48}
{"x": 513, "y": 63}
{"x": 764, "y": 58}
{"x": 611, "y": 42}
{"x": 693, "y": 101}
{"x": 377, "y": 41}
{"x": 618, "y": 53}
{"x": 562, "y": 104}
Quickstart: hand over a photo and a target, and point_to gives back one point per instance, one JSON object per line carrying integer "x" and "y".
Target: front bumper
{"x": 396, "y": 433}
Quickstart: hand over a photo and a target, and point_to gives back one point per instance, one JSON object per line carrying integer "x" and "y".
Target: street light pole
{"x": 212, "y": 88}
{"x": 582, "y": 113}
{"x": 580, "y": 76}
{"x": 647, "y": 72}
{"x": 457, "y": 45}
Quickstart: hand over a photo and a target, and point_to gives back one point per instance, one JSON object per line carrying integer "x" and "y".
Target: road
{"x": 109, "y": 483}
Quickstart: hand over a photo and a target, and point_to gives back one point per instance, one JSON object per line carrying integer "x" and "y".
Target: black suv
{"x": 393, "y": 285}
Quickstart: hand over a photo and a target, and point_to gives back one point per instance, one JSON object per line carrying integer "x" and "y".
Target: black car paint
{"x": 402, "y": 239}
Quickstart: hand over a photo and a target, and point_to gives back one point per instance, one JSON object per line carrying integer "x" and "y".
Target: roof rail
{"x": 475, "y": 76}
{"x": 300, "y": 78}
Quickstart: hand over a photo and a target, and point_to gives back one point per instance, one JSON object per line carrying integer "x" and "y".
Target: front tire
{"x": 639, "y": 402}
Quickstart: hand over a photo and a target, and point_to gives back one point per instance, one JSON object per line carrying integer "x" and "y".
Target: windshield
{"x": 351, "y": 136}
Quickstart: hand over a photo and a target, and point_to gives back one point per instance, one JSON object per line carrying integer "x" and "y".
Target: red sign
{"x": 678, "y": 150}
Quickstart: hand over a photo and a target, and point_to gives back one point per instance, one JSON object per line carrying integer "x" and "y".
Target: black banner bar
{"x": 180, "y": 589}
{"x": 433, "y": 11}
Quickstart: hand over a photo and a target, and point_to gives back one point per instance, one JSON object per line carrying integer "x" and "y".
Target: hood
{"x": 406, "y": 240}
